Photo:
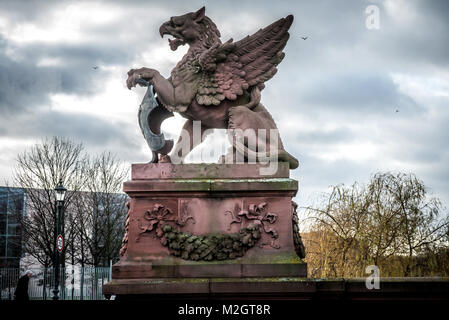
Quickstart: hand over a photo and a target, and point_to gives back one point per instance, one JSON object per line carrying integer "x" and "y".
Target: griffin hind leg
{"x": 254, "y": 137}
{"x": 188, "y": 140}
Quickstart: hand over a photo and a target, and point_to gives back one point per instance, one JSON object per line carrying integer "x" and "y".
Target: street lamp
{"x": 100, "y": 251}
{"x": 59, "y": 195}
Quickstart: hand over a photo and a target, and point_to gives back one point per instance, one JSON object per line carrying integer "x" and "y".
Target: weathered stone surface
{"x": 217, "y": 85}
{"x": 161, "y": 171}
{"x": 208, "y": 185}
{"x": 215, "y": 227}
{"x": 206, "y": 218}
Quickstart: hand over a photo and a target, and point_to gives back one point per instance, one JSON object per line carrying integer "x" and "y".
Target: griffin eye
{"x": 176, "y": 22}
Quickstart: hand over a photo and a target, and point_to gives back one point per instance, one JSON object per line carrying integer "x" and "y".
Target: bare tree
{"x": 338, "y": 229}
{"x": 389, "y": 223}
{"x": 38, "y": 171}
{"x": 94, "y": 207}
{"x": 101, "y": 210}
{"x": 420, "y": 224}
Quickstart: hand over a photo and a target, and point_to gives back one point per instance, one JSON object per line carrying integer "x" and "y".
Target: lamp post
{"x": 59, "y": 195}
{"x": 100, "y": 252}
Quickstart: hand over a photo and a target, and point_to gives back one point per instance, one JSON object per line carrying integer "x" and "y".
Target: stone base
{"x": 207, "y": 221}
{"x": 281, "y": 266}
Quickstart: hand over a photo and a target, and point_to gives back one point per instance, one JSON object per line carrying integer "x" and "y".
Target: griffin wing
{"x": 232, "y": 67}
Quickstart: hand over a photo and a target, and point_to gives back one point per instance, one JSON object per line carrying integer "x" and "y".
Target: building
{"x": 12, "y": 209}
{"x": 108, "y": 212}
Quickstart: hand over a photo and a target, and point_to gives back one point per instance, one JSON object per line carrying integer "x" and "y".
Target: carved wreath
{"x": 211, "y": 246}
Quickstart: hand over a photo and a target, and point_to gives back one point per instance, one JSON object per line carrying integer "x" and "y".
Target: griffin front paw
{"x": 135, "y": 76}
{"x": 164, "y": 158}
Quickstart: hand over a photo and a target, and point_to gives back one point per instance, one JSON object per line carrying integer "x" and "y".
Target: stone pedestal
{"x": 206, "y": 221}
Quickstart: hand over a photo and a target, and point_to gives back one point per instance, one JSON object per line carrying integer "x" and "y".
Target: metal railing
{"x": 75, "y": 283}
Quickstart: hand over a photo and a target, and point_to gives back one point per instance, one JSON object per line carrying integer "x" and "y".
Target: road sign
{"x": 60, "y": 243}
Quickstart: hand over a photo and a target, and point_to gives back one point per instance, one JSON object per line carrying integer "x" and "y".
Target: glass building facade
{"x": 12, "y": 209}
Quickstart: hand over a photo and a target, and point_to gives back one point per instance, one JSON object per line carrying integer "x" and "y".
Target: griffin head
{"x": 189, "y": 29}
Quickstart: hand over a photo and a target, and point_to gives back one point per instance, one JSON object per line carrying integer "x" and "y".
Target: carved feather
{"x": 233, "y": 67}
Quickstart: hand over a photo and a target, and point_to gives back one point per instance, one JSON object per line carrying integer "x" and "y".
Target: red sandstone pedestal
{"x": 190, "y": 223}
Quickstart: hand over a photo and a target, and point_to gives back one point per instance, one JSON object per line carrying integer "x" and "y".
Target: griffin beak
{"x": 163, "y": 29}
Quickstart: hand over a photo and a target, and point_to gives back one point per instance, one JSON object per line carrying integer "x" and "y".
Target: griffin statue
{"x": 216, "y": 83}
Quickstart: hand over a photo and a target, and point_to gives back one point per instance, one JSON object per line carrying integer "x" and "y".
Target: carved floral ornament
{"x": 210, "y": 246}
{"x": 157, "y": 216}
{"x": 258, "y": 215}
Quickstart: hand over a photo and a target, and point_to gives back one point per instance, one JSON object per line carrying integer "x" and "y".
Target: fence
{"x": 75, "y": 283}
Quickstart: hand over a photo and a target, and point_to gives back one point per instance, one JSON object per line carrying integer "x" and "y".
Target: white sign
{"x": 60, "y": 243}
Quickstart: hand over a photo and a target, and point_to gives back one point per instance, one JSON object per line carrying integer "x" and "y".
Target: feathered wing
{"x": 232, "y": 67}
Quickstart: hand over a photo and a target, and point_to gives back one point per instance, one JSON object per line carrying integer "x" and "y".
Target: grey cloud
{"x": 53, "y": 123}
{"x": 325, "y": 137}
{"x": 79, "y": 54}
{"x": 20, "y": 87}
{"x": 421, "y": 41}
{"x": 315, "y": 174}
{"x": 96, "y": 133}
{"x": 25, "y": 85}
{"x": 26, "y": 10}
{"x": 358, "y": 92}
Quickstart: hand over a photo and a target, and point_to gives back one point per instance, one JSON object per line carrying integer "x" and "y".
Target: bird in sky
{"x": 95, "y": 68}
{"x": 397, "y": 110}
{"x": 304, "y": 38}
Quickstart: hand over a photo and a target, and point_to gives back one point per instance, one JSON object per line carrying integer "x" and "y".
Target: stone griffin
{"x": 219, "y": 84}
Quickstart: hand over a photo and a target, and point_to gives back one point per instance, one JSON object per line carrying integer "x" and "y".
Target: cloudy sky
{"x": 349, "y": 101}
